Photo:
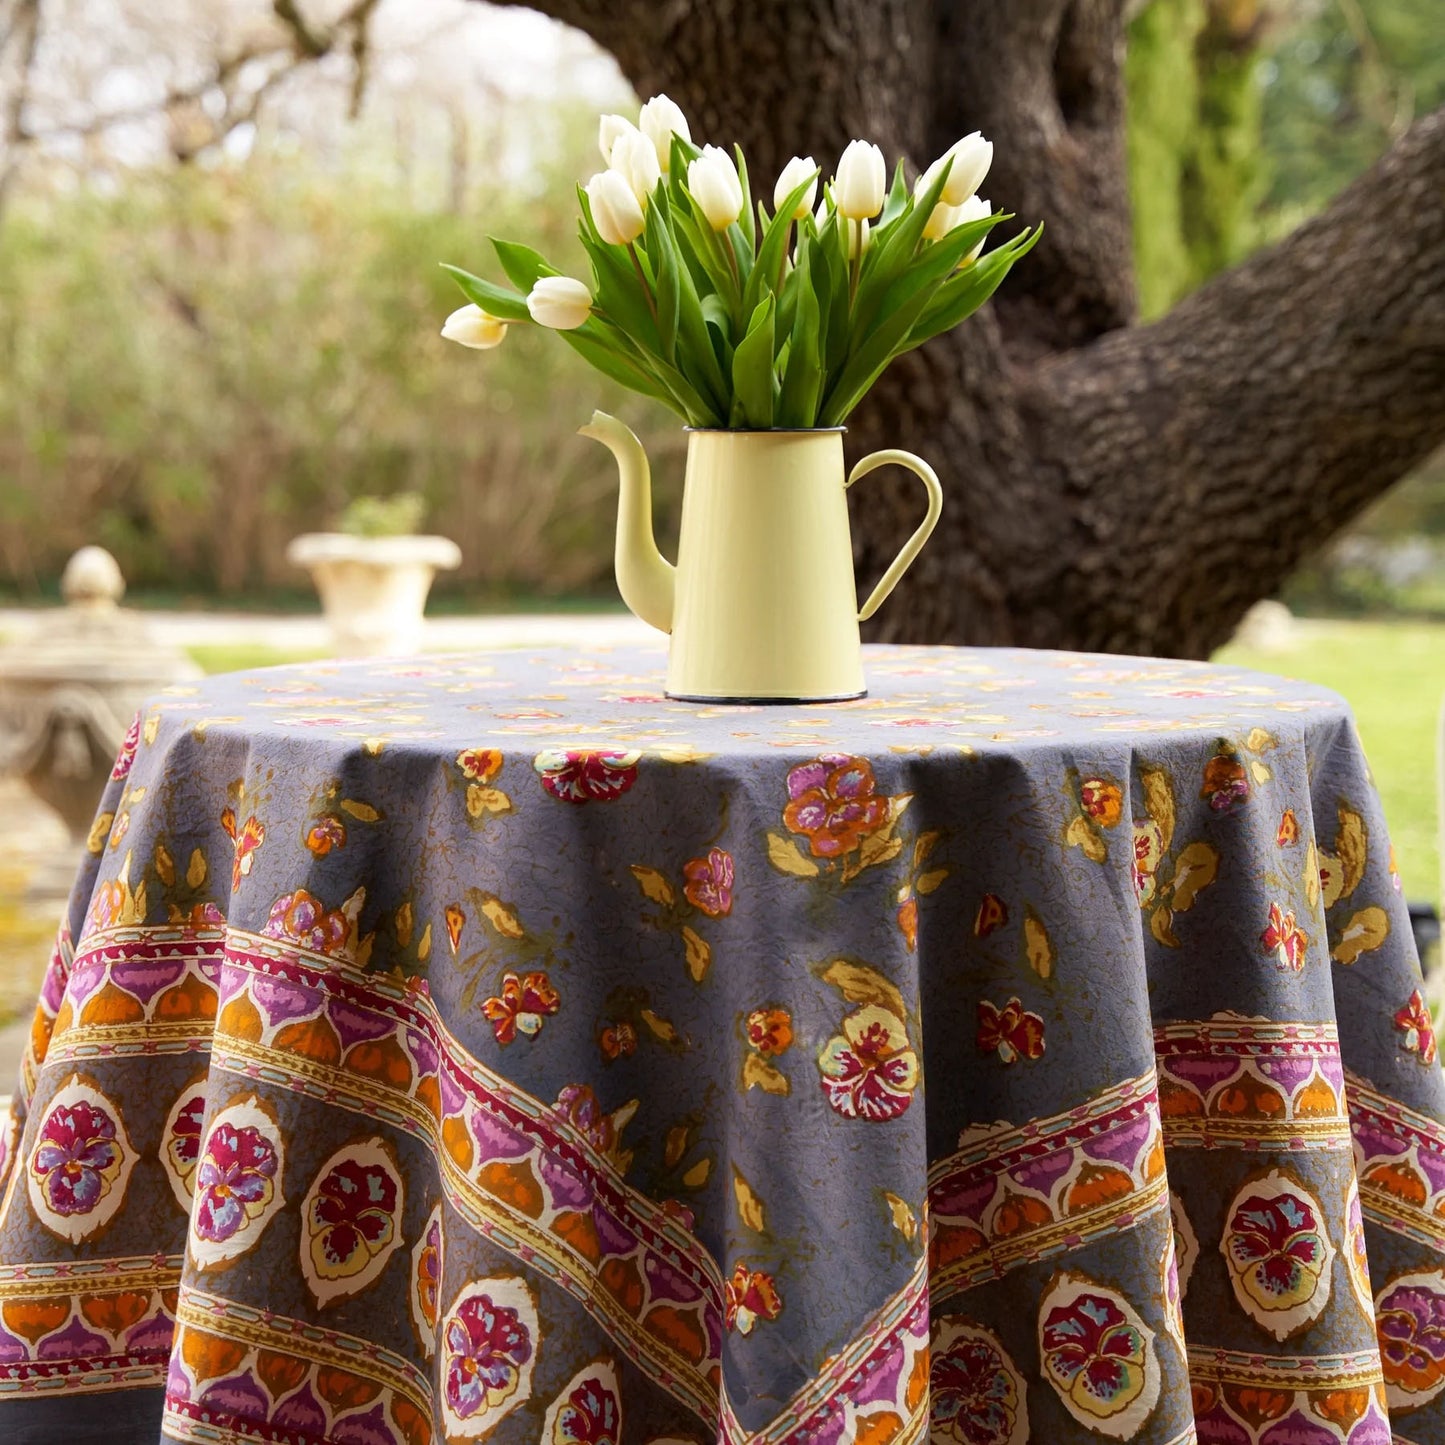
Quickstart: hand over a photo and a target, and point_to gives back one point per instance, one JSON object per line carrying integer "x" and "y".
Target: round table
{"x": 487, "y": 1047}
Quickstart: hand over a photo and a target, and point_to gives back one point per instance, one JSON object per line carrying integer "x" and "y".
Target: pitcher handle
{"x": 914, "y": 545}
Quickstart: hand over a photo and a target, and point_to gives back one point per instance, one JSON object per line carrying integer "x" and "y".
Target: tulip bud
{"x": 615, "y": 211}
{"x": 660, "y": 120}
{"x": 971, "y": 157}
{"x": 794, "y": 174}
{"x": 713, "y": 180}
{"x": 975, "y": 208}
{"x": 941, "y": 220}
{"x": 862, "y": 180}
{"x": 609, "y": 128}
{"x": 634, "y": 159}
{"x": 471, "y": 326}
{"x": 559, "y": 302}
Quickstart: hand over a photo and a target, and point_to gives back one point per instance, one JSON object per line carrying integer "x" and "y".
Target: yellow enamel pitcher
{"x": 762, "y": 605}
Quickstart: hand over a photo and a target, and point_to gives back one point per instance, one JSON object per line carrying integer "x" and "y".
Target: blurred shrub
{"x": 198, "y": 367}
{"x": 394, "y": 516}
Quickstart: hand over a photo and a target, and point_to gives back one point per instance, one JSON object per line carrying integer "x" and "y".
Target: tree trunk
{"x": 1110, "y": 486}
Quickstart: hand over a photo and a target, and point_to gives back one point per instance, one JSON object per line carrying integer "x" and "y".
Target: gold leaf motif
{"x": 860, "y": 984}
{"x": 786, "y": 857}
{"x": 372, "y": 746}
{"x": 1352, "y": 844}
{"x": 905, "y": 1221}
{"x": 928, "y": 882}
{"x": 924, "y": 845}
{"x": 423, "y": 949}
{"x": 165, "y": 864}
{"x": 485, "y": 800}
{"x": 1081, "y": 834}
{"x": 675, "y": 1145}
{"x": 699, "y": 954}
{"x": 659, "y": 1026}
{"x": 99, "y": 832}
{"x": 1038, "y": 947}
{"x": 1260, "y": 740}
{"x": 501, "y": 917}
{"x": 134, "y": 795}
{"x": 654, "y": 885}
{"x": 1159, "y": 802}
{"x": 1194, "y": 870}
{"x": 679, "y": 753}
{"x": 878, "y": 848}
{"x": 1366, "y": 930}
{"x": 750, "y": 1207}
{"x": 362, "y": 812}
{"x": 758, "y": 1073}
{"x": 404, "y": 925}
{"x": 1312, "y": 874}
{"x": 1261, "y": 773}
{"x": 696, "y": 1177}
{"x": 363, "y": 950}
{"x": 1161, "y": 925}
{"x": 196, "y": 869}
{"x": 152, "y": 727}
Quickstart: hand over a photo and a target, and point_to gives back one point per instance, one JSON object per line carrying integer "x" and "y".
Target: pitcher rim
{"x": 763, "y": 431}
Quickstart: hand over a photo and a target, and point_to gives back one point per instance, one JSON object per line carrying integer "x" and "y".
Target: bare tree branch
{"x": 24, "y": 30}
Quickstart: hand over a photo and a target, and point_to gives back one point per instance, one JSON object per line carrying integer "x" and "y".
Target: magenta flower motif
{"x": 234, "y": 1182}
{"x": 869, "y": 1070}
{"x": 184, "y": 1144}
{"x": 709, "y": 883}
{"x": 487, "y": 1346}
{"x": 77, "y": 1157}
{"x": 1411, "y": 1322}
{"x": 581, "y": 1108}
{"x": 428, "y": 1273}
{"x": 126, "y": 756}
{"x": 1094, "y": 1354}
{"x": 354, "y": 1210}
{"x": 833, "y": 803}
{"x": 1277, "y": 1247}
{"x": 590, "y": 1416}
{"x": 587, "y": 776}
{"x": 973, "y": 1396}
{"x": 301, "y": 917}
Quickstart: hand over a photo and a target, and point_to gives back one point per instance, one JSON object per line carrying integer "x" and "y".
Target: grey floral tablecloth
{"x": 488, "y": 1048}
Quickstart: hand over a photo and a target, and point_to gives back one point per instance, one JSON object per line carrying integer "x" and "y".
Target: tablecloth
{"x": 489, "y": 1048}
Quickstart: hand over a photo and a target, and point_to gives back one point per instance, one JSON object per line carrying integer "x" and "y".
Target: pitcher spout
{"x": 645, "y": 578}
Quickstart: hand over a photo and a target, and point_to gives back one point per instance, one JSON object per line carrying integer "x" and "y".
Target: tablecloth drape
{"x": 488, "y": 1048}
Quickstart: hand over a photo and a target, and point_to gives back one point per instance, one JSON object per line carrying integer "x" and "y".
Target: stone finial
{"x": 92, "y": 579}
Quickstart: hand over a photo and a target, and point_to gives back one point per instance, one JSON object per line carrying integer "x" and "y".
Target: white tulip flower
{"x": 975, "y": 208}
{"x": 615, "y": 210}
{"x": 559, "y": 302}
{"x": 971, "y": 158}
{"x": 793, "y": 175}
{"x": 660, "y": 120}
{"x": 634, "y": 159}
{"x": 941, "y": 220}
{"x": 471, "y": 326}
{"x": 861, "y": 182}
{"x": 609, "y": 129}
{"x": 713, "y": 180}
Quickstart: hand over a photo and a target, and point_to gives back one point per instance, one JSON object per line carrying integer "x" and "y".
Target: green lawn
{"x": 1393, "y": 675}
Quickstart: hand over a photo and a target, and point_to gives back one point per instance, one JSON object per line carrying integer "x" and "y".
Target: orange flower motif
{"x": 908, "y": 922}
{"x": 1103, "y": 801}
{"x": 325, "y": 834}
{"x": 1288, "y": 833}
{"x": 750, "y": 1295}
{"x": 1284, "y": 938}
{"x": 1413, "y": 1021}
{"x": 251, "y": 836}
{"x": 991, "y": 916}
{"x": 480, "y": 765}
{"x": 709, "y": 883}
{"x": 617, "y": 1040}
{"x": 1010, "y": 1031}
{"x": 833, "y": 803}
{"x": 770, "y": 1030}
{"x": 455, "y": 916}
{"x": 1225, "y": 782}
{"x": 522, "y": 1005}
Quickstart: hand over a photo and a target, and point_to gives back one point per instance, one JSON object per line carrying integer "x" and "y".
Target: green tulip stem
{"x": 783, "y": 259}
{"x": 642, "y": 280}
{"x": 856, "y": 265}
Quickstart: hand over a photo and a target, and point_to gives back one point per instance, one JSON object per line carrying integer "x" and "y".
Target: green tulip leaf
{"x": 590, "y": 343}
{"x": 803, "y": 370}
{"x": 667, "y": 283}
{"x": 773, "y": 249}
{"x": 958, "y": 298}
{"x": 745, "y": 217}
{"x": 493, "y": 299}
{"x": 753, "y": 368}
{"x": 522, "y": 264}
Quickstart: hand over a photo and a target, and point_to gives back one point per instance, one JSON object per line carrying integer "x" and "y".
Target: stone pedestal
{"x": 373, "y": 589}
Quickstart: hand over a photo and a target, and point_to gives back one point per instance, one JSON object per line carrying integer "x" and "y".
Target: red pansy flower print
{"x": 869, "y": 1070}
{"x": 119, "y": 828}
{"x": 1011, "y": 1031}
{"x": 1288, "y": 832}
{"x": 250, "y": 837}
{"x": 617, "y": 1040}
{"x": 109, "y": 905}
{"x": 1277, "y": 1250}
{"x": 587, "y": 776}
{"x": 1094, "y": 1354}
{"x": 352, "y": 1217}
{"x": 833, "y": 803}
{"x": 235, "y": 1180}
{"x": 974, "y": 1396}
{"x": 589, "y": 1416}
{"x": 487, "y": 1345}
{"x": 1413, "y": 1021}
{"x": 1102, "y": 801}
{"x": 301, "y": 917}
{"x": 183, "y": 1144}
{"x": 1410, "y": 1323}
{"x": 77, "y": 1157}
{"x": 1148, "y": 853}
{"x": 770, "y": 1030}
{"x": 579, "y": 1105}
{"x": 325, "y": 835}
{"x": 1226, "y": 784}
{"x": 429, "y": 1272}
{"x": 1284, "y": 938}
{"x": 750, "y": 1295}
{"x": 480, "y": 765}
{"x": 525, "y": 1000}
{"x": 991, "y": 916}
{"x": 204, "y": 915}
{"x": 709, "y": 883}
{"x": 126, "y": 756}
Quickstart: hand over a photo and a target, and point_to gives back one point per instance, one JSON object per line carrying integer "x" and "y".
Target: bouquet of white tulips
{"x": 738, "y": 318}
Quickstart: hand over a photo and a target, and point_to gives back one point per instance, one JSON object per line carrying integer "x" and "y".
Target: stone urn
{"x": 373, "y": 589}
{"x": 70, "y": 689}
